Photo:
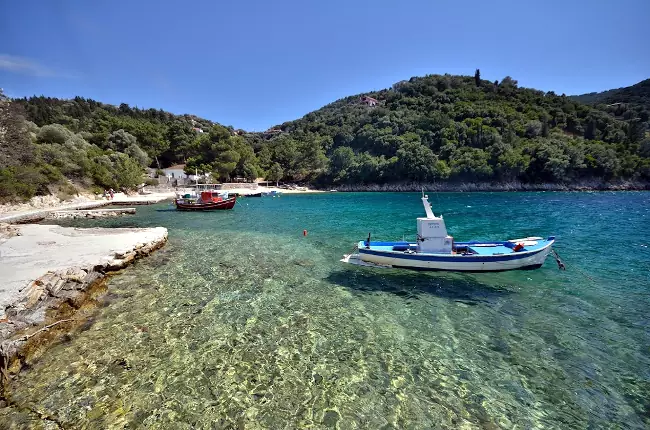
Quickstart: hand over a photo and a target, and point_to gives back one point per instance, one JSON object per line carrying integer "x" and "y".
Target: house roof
{"x": 175, "y": 167}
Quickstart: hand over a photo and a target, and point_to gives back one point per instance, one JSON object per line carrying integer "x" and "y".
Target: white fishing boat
{"x": 434, "y": 249}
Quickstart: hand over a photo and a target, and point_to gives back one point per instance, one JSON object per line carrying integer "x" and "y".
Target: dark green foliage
{"x": 629, "y": 104}
{"x": 457, "y": 129}
{"x": 119, "y": 140}
{"x": 165, "y": 137}
{"x": 417, "y": 162}
{"x": 433, "y": 128}
{"x": 275, "y": 173}
{"x": 223, "y": 154}
{"x": 20, "y": 182}
{"x": 636, "y": 95}
{"x": 135, "y": 152}
{"x": 16, "y": 147}
{"x": 54, "y": 133}
{"x": 58, "y": 155}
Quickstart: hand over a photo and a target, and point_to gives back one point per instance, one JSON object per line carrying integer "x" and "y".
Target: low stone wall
{"x": 236, "y": 185}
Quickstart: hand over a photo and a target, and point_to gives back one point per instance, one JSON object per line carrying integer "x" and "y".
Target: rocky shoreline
{"x": 49, "y": 273}
{"x": 496, "y": 187}
{"x": 91, "y": 214}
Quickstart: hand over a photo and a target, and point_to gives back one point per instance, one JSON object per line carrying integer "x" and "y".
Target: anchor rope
{"x": 560, "y": 264}
{"x": 354, "y": 249}
{"x": 563, "y": 267}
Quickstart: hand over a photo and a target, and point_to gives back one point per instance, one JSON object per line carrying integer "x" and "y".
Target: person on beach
{"x": 112, "y": 193}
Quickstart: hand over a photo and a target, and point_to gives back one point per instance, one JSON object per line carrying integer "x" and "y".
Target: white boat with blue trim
{"x": 434, "y": 249}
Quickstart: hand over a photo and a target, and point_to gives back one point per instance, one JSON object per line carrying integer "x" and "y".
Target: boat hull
{"x": 524, "y": 260}
{"x": 210, "y": 206}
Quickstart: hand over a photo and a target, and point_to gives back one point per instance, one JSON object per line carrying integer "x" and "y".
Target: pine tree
{"x": 477, "y": 77}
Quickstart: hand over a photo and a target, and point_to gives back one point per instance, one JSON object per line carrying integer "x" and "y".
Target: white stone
{"x": 49, "y": 248}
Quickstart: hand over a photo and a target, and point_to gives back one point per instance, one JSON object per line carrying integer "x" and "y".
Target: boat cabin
{"x": 432, "y": 232}
{"x": 212, "y": 196}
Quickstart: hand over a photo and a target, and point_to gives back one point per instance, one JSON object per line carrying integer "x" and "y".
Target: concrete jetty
{"x": 44, "y": 267}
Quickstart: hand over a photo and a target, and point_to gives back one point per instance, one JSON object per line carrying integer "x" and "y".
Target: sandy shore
{"x": 43, "y": 267}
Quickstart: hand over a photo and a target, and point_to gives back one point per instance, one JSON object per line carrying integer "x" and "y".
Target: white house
{"x": 176, "y": 172}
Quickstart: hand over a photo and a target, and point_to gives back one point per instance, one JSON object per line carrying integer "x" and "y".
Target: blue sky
{"x": 253, "y": 63}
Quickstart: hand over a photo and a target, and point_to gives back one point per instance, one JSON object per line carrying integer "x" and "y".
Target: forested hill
{"x": 630, "y": 104}
{"x": 636, "y": 96}
{"x": 443, "y": 129}
{"x": 464, "y": 129}
{"x": 163, "y": 135}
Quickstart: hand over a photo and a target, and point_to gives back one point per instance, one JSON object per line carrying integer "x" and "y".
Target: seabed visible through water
{"x": 243, "y": 322}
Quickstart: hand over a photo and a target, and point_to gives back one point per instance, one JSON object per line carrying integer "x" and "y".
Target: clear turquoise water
{"x": 241, "y": 322}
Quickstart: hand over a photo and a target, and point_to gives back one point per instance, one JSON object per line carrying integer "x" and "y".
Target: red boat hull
{"x": 211, "y": 206}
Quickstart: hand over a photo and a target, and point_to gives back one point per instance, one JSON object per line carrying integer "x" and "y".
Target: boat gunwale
{"x": 227, "y": 203}
{"x": 421, "y": 256}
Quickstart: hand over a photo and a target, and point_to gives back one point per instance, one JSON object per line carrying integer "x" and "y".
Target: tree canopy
{"x": 431, "y": 128}
{"x": 462, "y": 128}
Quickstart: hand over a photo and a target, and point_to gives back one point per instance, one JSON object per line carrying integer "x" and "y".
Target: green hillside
{"x": 60, "y": 146}
{"x": 437, "y": 128}
{"x": 629, "y": 104}
{"x": 461, "y": 128}
{"x": 637, "y": 96}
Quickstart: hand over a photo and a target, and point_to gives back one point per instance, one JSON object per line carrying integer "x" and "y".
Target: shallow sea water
{"x": 241, "y": 322}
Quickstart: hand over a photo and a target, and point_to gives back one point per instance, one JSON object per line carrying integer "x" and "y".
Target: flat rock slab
{"x": 93, "y": 213}
{"x": 43, "y": 249}
{"x": 40, "y": 214}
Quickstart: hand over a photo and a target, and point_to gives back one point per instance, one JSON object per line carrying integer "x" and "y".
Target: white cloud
{"x": 24, "y": 66}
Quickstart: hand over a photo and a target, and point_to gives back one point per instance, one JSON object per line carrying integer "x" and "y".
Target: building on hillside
{"x": 175, "y": 172}
{"x": 369, "y": 101}
{"x": 197, "y": 129}
{"x": 176, "y": 176}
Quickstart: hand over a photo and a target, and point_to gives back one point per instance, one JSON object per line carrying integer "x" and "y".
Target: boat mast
{"x": 427, "y": 206}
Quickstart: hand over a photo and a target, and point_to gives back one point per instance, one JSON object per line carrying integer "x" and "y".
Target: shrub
{"x": 53, "y": 133}
{"x": 21, "y": 183}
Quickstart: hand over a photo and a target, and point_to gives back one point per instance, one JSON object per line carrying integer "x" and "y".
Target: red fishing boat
{"x": 208, "y": 201}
